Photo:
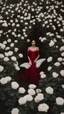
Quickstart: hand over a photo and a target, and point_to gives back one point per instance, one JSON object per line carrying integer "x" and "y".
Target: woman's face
{"x": 33, "y": 43}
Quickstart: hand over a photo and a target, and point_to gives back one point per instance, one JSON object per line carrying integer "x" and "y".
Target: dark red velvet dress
{"x": 32, "y": 74}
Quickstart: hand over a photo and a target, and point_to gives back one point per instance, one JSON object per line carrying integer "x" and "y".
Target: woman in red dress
{"x": 32, "y": 74}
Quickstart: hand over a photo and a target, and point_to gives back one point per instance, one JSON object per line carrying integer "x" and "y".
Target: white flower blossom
{"x": 51, "y": 43}
{"x": 59, "y": 59}
{"x": 5, "y": 42}
{"x": 62, "y": 48}
{"x": 4, "y": 24}
{"x": 8, "y": 78}
{"x": 7, "y": 48}
{"x": 28, "y": 97}
{"x": 38, "y": 90}
{"x": 15, "y": 111}
{"x": 9, "y": 40}
{"x": 21, "y": 90}
{"x": 22, "y": 101}
{"x": 49, "y": 68}
{"x": 63, "y": 86}
{"x": 20, "y": 55}
{"x": 14, "y": 85}
{"x": 55, "y": 75}
{"x": 39, "y": 97}
{"x": 2, "y": 46}
{"x": 57, "y": 64}
{"x": 31, "y": 91}
{"x": 43, "y": 107}
{"x": 16, "y": 67}
{"x": 1, "y": 56}
{"x": 1, "y": 68}
{"x": 62, "y": 72}
{"x": 62, "y": 113}
{"x": 15, "y": 49}
{"x": 32, "y": 86}
{"x": 12, "y": 45}
{"x": 41, "y": 72}
{"x": 3, "y": 81}
{"x": 13, "y": 58}
{"x": 59, "y": 101}
{"x": 43, "y": 76}
{"x": 43, "y": 39}
{"x": 49, "y": 90}
{"x": 62, "y": 54}
{"x": 6, "y": 59}
{"x": 49, "y": 59}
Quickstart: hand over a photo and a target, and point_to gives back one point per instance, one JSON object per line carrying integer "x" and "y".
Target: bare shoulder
{"x": 28, "y": 48}
{"x": 37, "y": 48}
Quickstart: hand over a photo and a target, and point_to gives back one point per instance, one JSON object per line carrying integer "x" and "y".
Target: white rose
{"x": 51, "y": 43}
{"x": 62, "y": 113}
{"x": 59, "y": 59}
{"x": 16, "y": 49}
{"x": 32, "y": 86}
{"x": 57, "y": 64}
{"x": 9, "y": 40}
{"x": 63, "y": 86}
{"x": 4, "y": 42}
{"x": 31, "y": 91}
{"x": 3, "y": 81}
{"x": 41, "y": 72}
{"x": 6, "y": 54}
{"x": 62, "y": 48}
{"x": 16, "y": 67}
{"x": 13, "y": 58}
{"x": 7, "y": 48}
{"x": 22, "y": 101}
{"x": 1, "y": 31}
{"x": 20, "y": 55}
{"x": 10, "y": 53}
{"x": 38, "y": 90}
{"x": 43, "y": 107}
{"x": 59, "y": 101}
{"x": 1, "y": 56}
{"x": 43, "y": 39}
{"x": 2, "y": 46}
{"x": 6, "y": 59}
{"x": 43, "y": 76}
{"x": 4, "y": 24}
{"x": 14, "y": 85}
{"x": 12, "y": 45}
{"x": 49, "y": 59}
{"x": 28, "y": 40}
{"x": 49, "y": 68}
{"x": 15, "y": 111}
{"x": 49, "y": 90}
{"x": 16, "y": 41}
{"x": 21, "y": 90}
{"x": 8, "y": 78}
{"x": 54, "y": 74}
{"x": 28, "y": 97}
{"x": 62, "y": 54}
{"x": 62, "y": 72}
{"x": 39, "y": 97}
{"x": 1, "y": 68}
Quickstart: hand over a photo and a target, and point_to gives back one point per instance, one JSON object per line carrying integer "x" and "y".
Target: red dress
{"x": 32, "y": 75}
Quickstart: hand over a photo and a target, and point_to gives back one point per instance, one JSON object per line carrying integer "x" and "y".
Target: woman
{"x": 32, "y": 74}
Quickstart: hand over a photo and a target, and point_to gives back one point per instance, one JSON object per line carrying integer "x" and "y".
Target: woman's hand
{"x": 30, "y": 62}
{"x": 34, "y": 61}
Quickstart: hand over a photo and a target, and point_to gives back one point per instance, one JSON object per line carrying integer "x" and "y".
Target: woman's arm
{"x": 29, "y": 57}
{"x": 37, "y": 56}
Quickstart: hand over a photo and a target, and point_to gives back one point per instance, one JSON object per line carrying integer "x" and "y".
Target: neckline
{"x": 33, "y": 50}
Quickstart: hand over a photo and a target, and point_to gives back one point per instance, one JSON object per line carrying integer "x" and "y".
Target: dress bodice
{"x": 33, "y": 54}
